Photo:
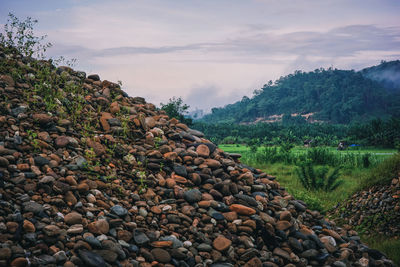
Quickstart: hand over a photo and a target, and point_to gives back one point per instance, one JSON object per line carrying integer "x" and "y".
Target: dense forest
{"x": 386, "y": 73}
{"x": 377, "y": 132}
{"x": 329, "y": 95}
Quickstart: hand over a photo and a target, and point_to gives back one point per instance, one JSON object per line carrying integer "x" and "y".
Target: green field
{"x": 236, "y": 148}
{"x": 354, "y": 179}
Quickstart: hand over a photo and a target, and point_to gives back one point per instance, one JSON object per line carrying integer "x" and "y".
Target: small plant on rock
{"x": 32, "y": 137}
{"x": 19, "y": 35}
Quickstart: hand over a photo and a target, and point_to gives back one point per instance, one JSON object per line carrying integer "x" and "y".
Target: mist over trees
{"x": 332, "y": 95}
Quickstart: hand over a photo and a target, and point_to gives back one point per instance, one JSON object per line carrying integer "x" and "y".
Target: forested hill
{"x": 386, "y": 73}
{"x": 329, "y": 95}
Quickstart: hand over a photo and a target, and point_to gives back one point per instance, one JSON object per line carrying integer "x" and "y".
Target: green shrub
{"x": 317, "y": 178}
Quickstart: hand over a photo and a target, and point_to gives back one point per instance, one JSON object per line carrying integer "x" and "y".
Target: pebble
{"x": 91, "y": 259}
{"x": 192, "y": 196}
{"x": 119, "y": 211}
{"x": 161, "y": 255}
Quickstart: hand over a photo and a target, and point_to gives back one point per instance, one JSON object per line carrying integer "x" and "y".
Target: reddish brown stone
{"x": 283, "y": 225}
{"x": 114, "y": 108}
{"x": 203, "y": 151}
{"x": 241, "y": 209}
{"x": 29, "y": 227}
{"x": 73, "y": 218}
{"x": 221, "y": 243}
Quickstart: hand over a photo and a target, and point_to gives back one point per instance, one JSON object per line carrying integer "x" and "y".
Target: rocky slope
{"x": 92, "y": 177}
{"x": 375, "y": 211}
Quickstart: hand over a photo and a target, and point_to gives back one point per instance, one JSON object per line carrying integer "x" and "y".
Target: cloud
{"x": 208, "y": 96}
{"x": 337, "y": 42}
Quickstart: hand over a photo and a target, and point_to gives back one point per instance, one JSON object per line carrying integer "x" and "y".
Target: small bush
{"x": 317, "y": 178}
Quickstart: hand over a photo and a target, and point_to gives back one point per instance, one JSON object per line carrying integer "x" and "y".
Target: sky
{"x": 212, "y": 52}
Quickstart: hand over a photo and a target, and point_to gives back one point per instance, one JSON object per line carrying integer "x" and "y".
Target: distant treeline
{"x": 378, "y": 132}
{"x": 334, "y": 96}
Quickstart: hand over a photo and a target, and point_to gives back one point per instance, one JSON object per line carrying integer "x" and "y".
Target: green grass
{"x": 386, "y": 166}
{"x": 354, "y": 178}
{"x": 319, "y": 200}
{"x": 384, "y": 152}
{"x": 352, "y": 157}
{"x": 390, "y": 247}
{"x": 384, "y": 172}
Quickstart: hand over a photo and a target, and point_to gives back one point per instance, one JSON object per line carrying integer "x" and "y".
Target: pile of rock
{"x": 115, "y": 182}
{"x": 375, "y": 211}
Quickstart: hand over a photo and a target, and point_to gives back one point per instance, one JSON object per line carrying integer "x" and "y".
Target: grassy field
{"x": 354, "y": 179}
{"x": 319, "y": 200}
{"x": 236, "y": 148}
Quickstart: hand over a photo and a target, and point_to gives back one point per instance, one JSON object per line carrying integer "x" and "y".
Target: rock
{"x": 4, "y": 162}
{"x": 221, "y": 243}
{"x": 119, "y": 210}
{"x": 285, "y": 216}
{"x": 180, "y": 170}
{"x": 97, "y": 147}
{"x": 91, "y": 259}
{"x": 192, "y": 196}
{"x": 52, "y": 230}
{"x": 94, "y": 242}
{"x": 310, "y": 253}
{"x": 19, "y": 110}
{"x": 283, "y": 225}
{"x": 28, "y": 227}
{"x": 73, "y": 218}
{"x": 19, "y": 262}
{"x": 203, "y": 151}
{"x": 254, "y": 262}
{"x": 242, "y": 209}
{"x": 60, "y": 256}
{"x": 41, "y": 161}
{"x": 295, "y": 244}
{"x": 161, "y": 255}
{"x": 42, "y": 118}
{"x": 282, "y": 253}
{"x": 47, "y": 180}
{"x": 99, "y": 227}
{"x": 140, "y": 238}
{"x": 5, "y": 253}
{"x": 32, "y": 206}
{"x": 94, "y": 77}
{"x": 104, "y": 121}
{"x": 61, "y": 141}
{"x": 114, "y": 108}
{"x": 75, "y": 229}
{"x": 204, "y": 247}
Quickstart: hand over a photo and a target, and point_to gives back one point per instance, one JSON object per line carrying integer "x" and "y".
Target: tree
{"x": 19, "y": 35}
{"x": 175, "y": 108}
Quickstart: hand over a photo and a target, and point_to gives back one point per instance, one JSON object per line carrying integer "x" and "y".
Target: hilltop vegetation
{"x": 328, "y": 95}
{"x": 386, "y": 73}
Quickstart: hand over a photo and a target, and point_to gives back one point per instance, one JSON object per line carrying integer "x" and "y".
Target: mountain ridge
{"x": 335, "y": 96}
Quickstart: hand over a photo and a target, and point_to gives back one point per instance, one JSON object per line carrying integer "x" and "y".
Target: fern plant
{"x": 312, "y": 178}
